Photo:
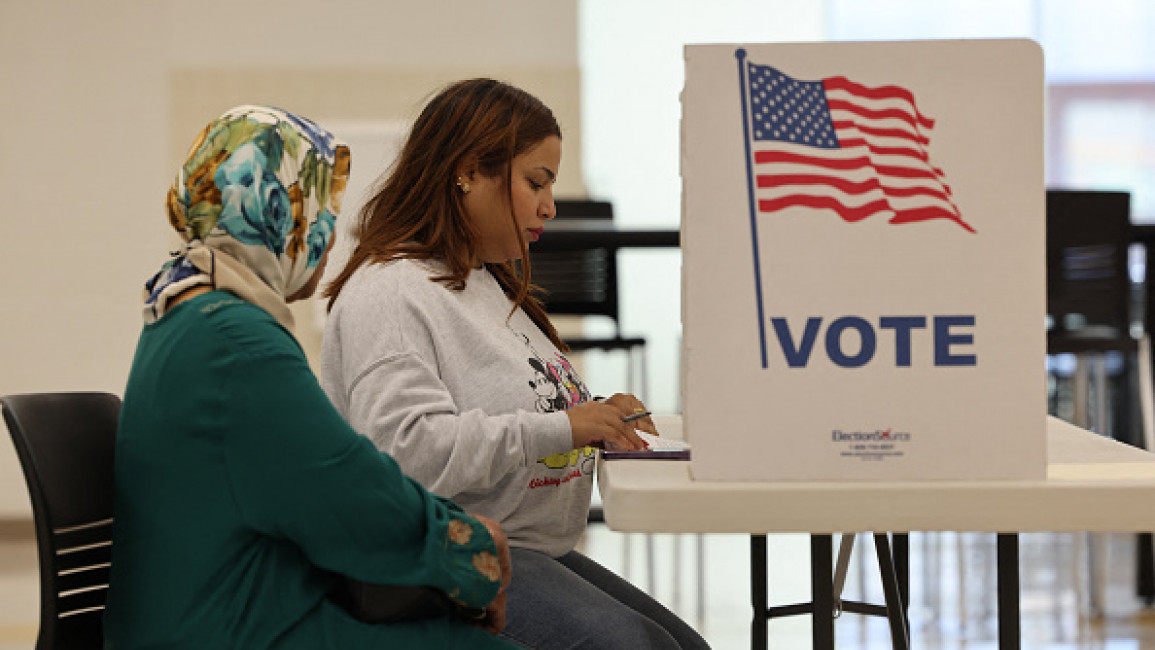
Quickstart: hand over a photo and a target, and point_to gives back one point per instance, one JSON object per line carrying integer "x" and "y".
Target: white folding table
{"x": 1092, "y": 484}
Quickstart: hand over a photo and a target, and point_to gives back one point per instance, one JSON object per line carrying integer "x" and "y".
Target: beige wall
{"x": 98, "y": 102}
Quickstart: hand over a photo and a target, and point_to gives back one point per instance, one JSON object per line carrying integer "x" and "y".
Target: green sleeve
{"x": 299, "y": 472}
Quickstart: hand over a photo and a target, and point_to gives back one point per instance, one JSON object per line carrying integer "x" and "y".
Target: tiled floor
{"x": 952, "y": 590}
{"x": 952, "y": 577}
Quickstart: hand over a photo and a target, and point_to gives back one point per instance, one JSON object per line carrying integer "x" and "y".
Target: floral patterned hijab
{"x": 256, "y": 202}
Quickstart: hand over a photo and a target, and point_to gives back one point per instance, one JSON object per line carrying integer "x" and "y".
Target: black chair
{"x": 1088, "y": 285}
{"x": 1089, "y": 314}
{"x": 65, "y": 442}
{"x": 581, "y": 279}
{"x": 1089, "y": 299}
{"x": 1145, "y": 546}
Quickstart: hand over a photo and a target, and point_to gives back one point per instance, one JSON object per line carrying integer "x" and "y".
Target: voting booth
{"x": 863, "y": 260}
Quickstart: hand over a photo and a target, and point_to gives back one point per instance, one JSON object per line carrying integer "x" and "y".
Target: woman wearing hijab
{"x": 241, "y": 494}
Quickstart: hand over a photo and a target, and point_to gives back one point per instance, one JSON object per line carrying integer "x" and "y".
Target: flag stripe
{"x": 850, "y": 143}
{"x": 765, "y": 157}
{"x": 848, "y": 186}
{"x": 872, "y": 114}
{"x": 859, "y": 162}
{"x": 880, "y": 92}
{"x": 858, "y": 213}
{"x": 847, "y": 125}
{"x": 926, "y": 214}
{"x": 856, "y": 193}
{"x": 848, "y": 213}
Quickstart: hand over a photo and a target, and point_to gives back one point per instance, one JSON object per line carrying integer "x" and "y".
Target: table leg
{"x": 895, "y": 605}
{"x": 1010, "y": 636}
{"x": 822, "y": 590}
{"x": 1145, "y": 568}
{"x": 758, "y": 596}
{"x": 900, "y": 544}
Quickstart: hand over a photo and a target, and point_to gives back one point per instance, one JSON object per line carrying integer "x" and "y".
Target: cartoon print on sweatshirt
{"x": 558, "y": 461}
{"x": 549, "y": 397}
{"x": 557, "y": 387}
{"x": 575, "y": 390}
{"x": 555, "y": 383}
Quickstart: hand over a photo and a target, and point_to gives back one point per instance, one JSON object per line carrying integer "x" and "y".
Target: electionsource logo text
{"x": 878, "y": 435}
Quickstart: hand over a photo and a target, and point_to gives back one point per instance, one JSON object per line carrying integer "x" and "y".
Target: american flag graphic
{"x": 840, "y": 146}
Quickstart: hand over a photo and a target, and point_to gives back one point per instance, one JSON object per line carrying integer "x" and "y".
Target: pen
{"x": 629, "y": 418}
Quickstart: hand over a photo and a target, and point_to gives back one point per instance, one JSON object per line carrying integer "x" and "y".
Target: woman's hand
{"x": 630, "y": 405}
{"x": 600, "y": 424}
{"x": 494, "y": 621}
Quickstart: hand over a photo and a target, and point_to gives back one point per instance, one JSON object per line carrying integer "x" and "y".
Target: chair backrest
{"x": 65, "y": 442}
{"x": 1088, "y": 285}
{"x": 578, "y": 280}
{"x": 579, "y": 209}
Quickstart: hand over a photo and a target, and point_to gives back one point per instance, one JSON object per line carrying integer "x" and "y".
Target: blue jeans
{"x": 573, "y": 602}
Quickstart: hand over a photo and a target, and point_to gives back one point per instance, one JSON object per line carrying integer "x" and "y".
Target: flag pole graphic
{"x": 740, "y": 54}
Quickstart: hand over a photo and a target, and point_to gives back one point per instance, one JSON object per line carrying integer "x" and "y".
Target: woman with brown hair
{"x": 436, "y": 349}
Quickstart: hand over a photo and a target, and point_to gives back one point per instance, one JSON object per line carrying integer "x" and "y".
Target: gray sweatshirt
{"x": 469, "y": 400}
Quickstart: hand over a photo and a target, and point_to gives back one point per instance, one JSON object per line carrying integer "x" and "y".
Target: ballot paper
{"x": 659, "y": 449}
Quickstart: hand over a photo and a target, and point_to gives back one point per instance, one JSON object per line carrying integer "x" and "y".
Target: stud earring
{"x": 463, "y": 185}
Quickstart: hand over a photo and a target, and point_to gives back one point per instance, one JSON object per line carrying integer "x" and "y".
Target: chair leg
{"x": 1145, "y": 568}
{"x": 895, "y": 605}
{"x": 1091, "y": 419}
{"x": 1144, "y": 546}
{"x": 676, "y": 598}
{"x": 651, "y": 571}
{"x": 961, "y": 572}
{"x": 628, "y": 555}
{"x": 1010, "y": 635}
{"x": 1095, "y": 541}
{"x": 1096, "y": 574}
{"x": 822, "y": 595}
{"x": 700, "y": 603}
{"x": 900, "y": 545}
{"x": 845, "y": 549}
{"x": 759, "y": 598}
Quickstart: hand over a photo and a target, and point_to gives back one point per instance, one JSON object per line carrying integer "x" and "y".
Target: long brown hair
{"x": 418, "y": 213}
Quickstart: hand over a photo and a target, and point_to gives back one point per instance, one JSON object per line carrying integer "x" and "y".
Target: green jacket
{"x": 240, "y": 492}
